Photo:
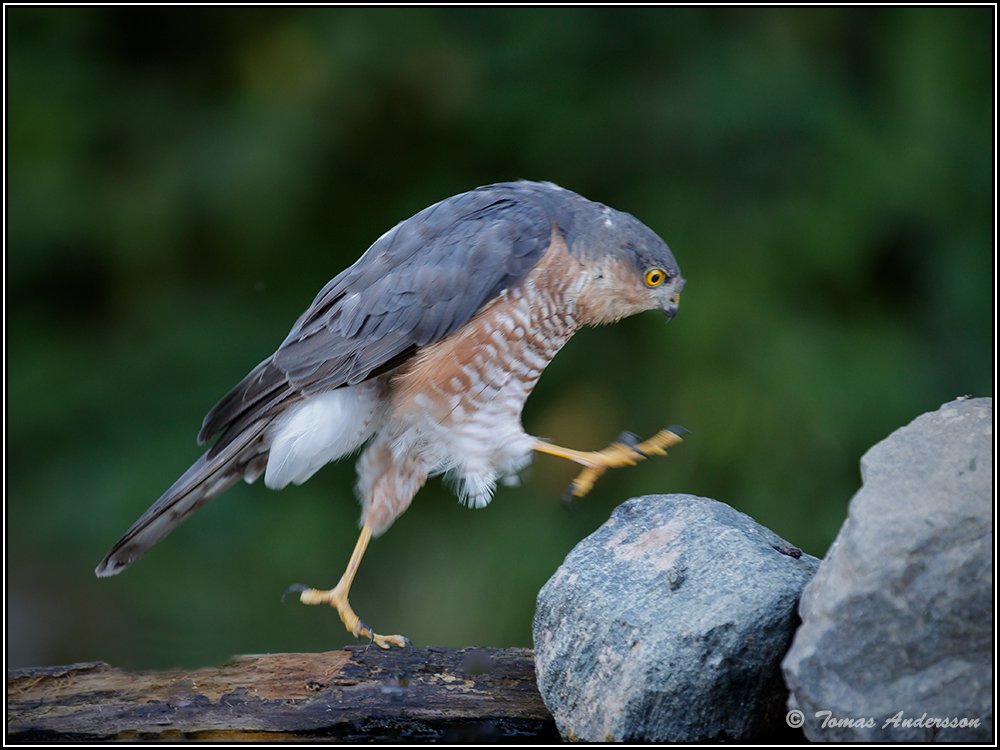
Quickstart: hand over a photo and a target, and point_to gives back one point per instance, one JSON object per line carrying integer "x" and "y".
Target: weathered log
{"x": 359, "y": 694}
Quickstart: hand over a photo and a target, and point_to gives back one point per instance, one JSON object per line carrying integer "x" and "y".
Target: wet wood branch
{"x": 359, "y": 694}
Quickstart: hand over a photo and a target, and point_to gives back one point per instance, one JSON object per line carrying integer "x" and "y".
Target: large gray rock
{"x": 669, "y": 623}
{"x": 897, "y": 625}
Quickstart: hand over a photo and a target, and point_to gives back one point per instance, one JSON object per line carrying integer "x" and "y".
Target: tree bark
{"x": 358, "y": 694}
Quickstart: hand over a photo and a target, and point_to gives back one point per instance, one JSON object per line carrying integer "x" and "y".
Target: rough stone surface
{"x": 669, "y": 623}
{"x": 899, "y": 617}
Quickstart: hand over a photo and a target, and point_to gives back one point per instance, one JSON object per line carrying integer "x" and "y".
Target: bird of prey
{"x": 424, "y": 352}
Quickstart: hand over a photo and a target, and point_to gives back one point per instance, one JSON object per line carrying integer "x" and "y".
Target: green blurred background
{"x": 181, "y": 182}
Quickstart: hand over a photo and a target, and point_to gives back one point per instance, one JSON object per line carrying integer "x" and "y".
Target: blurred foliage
{"x": 181, "y": 181}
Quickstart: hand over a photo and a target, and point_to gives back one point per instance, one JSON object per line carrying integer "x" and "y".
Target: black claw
{"x": 628, "y": 438}
{"x": 568, "y": 496}
{"x": 295, "y": 588}
{"x": 678, "y": 430}
{"x": 631, "y": 440}
{"x": 362, "y": 627}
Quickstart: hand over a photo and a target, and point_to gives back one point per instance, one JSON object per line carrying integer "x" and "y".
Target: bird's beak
{"x": 669, "y": 308}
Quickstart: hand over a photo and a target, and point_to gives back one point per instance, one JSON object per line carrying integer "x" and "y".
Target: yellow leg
{"x": 623, "y": 452}
{"x": 337, "y": 598}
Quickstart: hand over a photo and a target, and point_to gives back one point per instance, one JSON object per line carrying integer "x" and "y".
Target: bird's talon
{"x": 388, "y": 641}
{"x": 627, "y": 450}
{"x": 628, "y": 439}
{"x": 585, "y": 480}
{"x": 363, "y": 628}
{"x": 678, "y": 430}
{"x": 568, "y": 495}
{"x": 295, "y": 588}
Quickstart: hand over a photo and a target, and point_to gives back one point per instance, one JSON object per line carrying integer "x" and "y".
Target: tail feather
{"x": 206, "y": 478}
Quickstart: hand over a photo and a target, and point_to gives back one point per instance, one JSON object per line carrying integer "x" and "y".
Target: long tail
{"x": 206, "y": 478}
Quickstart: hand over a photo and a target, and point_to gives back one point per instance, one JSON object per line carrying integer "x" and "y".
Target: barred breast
{"x": 458, "y": 404}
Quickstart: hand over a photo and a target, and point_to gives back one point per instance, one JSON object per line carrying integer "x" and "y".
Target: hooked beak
{"x": 669, "y": 308}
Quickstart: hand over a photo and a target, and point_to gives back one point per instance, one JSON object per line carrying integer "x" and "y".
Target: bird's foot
{"x": 337, "y": 598}
{"x": 625, "y": 451}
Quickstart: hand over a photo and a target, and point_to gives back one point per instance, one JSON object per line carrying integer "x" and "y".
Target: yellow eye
{"x": 655, "y": 276}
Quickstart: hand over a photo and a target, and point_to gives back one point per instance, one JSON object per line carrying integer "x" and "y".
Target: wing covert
{"x": 417, "y": 283}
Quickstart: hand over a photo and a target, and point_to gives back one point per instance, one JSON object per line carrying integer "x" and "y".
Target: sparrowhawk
{"x": 424, "y": 351}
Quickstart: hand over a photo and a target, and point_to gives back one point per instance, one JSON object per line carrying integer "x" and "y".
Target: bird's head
{"x": 629, "y": 269}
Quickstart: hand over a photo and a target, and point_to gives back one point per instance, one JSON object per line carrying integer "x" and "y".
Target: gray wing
{"x": 419, "y": 282}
